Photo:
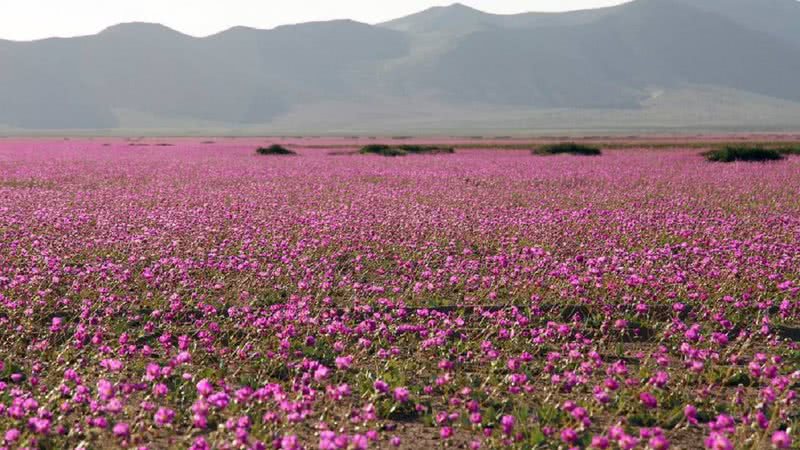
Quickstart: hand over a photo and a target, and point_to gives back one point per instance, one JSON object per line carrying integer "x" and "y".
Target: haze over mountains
{"x": 648, "y": 64}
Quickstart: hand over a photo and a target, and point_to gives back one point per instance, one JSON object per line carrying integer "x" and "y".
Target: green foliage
{"x": 383, "y": 150}
{"x": 568, "y": 148}
{"x": 789, "y": 149}
{"x": 731, "y": 153}
{"x": 403, "y": 150}
{"x": 425, "y": 149}
{"x": 274, "y": 149}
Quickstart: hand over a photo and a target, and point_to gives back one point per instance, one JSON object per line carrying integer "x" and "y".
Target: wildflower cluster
{"x": 199, "y": 296}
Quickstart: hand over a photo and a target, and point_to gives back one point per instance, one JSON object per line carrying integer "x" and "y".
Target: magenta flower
{"x": 718, "y": 441}
{"x": 381, "y": 386}
{"x": 690, "y": 412}
{"x": 781, "y": 439}
{"x": 401, "y": 394}
{"x": 164, "y": 417}
{"x": 507, "y": 422}
{"x": 344, "y": 362}
{"x": 121, "y": 430}
{"x": 204, "y": 387}
{"x": 648, "y": 400}
{"x": 658, "y": 443}
{"x": 600, "y": 442}
{"x": 11, "y": 435}
{"x": 569, "y": 436}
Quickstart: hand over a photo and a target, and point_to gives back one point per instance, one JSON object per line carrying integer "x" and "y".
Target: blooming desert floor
{"x": 192, "y": 294}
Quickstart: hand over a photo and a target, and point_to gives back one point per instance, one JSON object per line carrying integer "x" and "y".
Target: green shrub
{"x": 402, "y": 150}
{"x": 731, "y": 153}
{"x": 274, "y": 149}
{"x": 425, "y": 149}
{"x": 383, "y": 150}
{"x": 568, "y": 148}
{"x": 789, "y": 150}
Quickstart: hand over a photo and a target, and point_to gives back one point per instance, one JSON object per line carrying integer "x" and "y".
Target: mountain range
{"x": 642, "y": 65}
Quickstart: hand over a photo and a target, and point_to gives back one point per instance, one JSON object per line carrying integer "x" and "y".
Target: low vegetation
{"x": 275, "y": 149}
{"x": 383, "y": 150}
{"x": 731, "y": 153}
{"x": 567, "y": 148}
{"x": 403, "y": 150}
{"x": 425, "y": 149}
{"x": 789, "y": 149}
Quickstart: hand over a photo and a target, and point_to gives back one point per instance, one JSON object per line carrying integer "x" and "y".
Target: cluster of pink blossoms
{"x": 195, "y": 295}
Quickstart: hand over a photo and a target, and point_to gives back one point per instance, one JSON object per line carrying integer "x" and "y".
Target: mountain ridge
{"x": 447, "y": 58}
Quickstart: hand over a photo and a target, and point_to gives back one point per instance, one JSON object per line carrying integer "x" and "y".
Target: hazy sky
{"x": 34, "y": 19}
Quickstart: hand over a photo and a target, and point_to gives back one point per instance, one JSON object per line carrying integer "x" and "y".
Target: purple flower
{"x": 12, "y": 435}
{"x": 648, "y": 400}
{"x": 600, "y": 442}
{"x": 445, "y": 432}
{"x": 659, "y": 443}
{"x": 781, "y": 439}
{"x": 569, "y": 436}
{"x": 164, "y": 417}
{"x": 718, "y": 441}
{"x": 507, "y": 422}
{"x": 401, "y": 394}
{"x": 204, "y": 387}
{"x": 122, "y": 430}
{"x": 381, "y": 386}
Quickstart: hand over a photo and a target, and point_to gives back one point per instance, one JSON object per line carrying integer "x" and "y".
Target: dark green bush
{"x": 274, "y": 149}
{"x": 731, "y": 153}
{"x": 567, "y": 148}
{"x": 402, "y": 150}
{"x": 383, "y": 150}
{"x": 789, "y": 150}
{"x": 425, "y": 149}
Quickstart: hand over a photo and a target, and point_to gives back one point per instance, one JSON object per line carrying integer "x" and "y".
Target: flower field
{"x": 192, "y": 294}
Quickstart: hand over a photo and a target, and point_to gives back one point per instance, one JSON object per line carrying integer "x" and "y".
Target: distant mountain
{"x": 614, "y": 60}
{"x": 780, "y": 18}
{"x": 442, "y": 64}
{"x": 460, "y": 19}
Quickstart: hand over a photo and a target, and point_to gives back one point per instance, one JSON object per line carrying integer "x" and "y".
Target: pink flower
{"x": 659, "y": 443}
{"x": 648, "y": 400}
{"x": 164, "y": 417}
{"x": 122, "y": 430}
{"x": 718, "y": 441}
{"x": 321, "y": 373}
{"x": 12, "y": 435}
{"x": 600, "y": 442}
{"x": 781, "y": 439}
{"x": 569, "y": 436}
{"x": 183, "y": 358}
{"x": 381, "y": 386}
{"x": 507, "y": 422}
{"x": 401, "y": 394}
{"x": 690, "y": 412}
{"x": 344, "y": 362}
{"x": 204, "y": 387}
{"x": 290, "y": 442}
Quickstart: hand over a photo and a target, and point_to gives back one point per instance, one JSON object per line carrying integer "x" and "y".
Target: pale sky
{"x": 35, "y": 19}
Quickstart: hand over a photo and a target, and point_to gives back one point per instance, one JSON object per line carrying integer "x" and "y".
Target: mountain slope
{"x": 440, "y": 60}
{"x": 780, "y": 18}
{"x": 614, "y": 60}
{"x": 238, "y": 76}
